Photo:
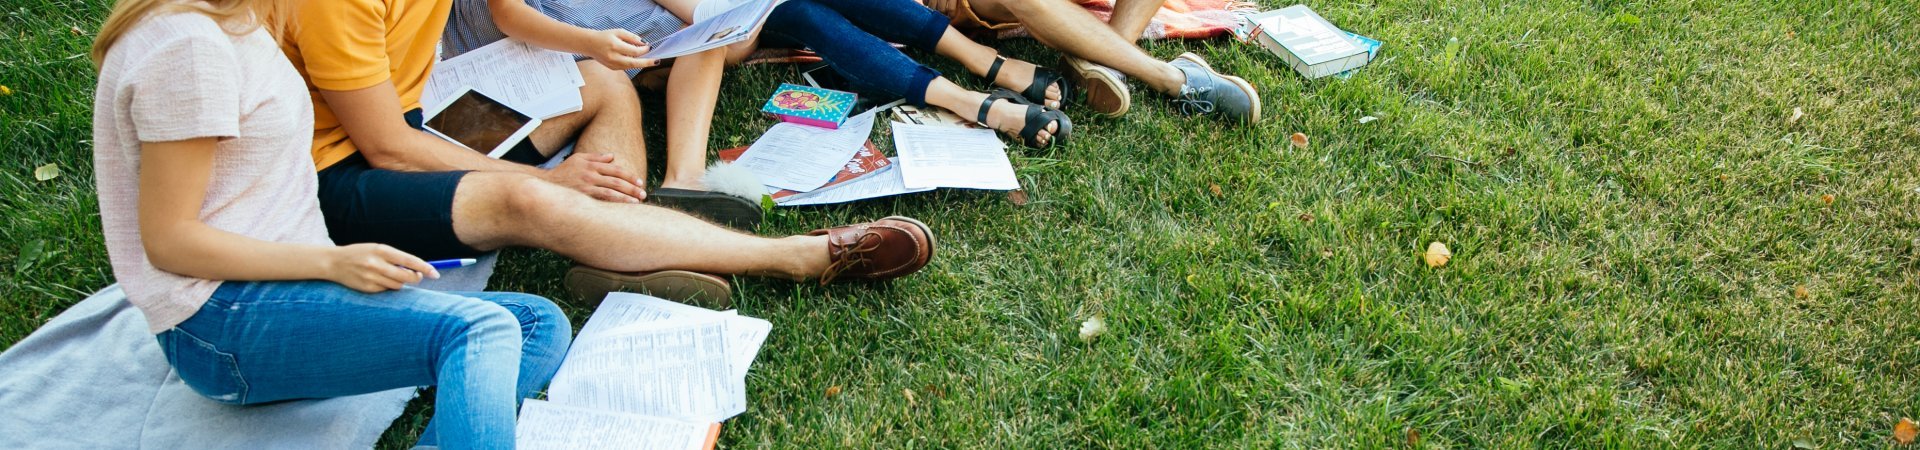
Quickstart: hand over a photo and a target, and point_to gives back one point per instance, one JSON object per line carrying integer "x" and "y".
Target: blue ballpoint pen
{"x": 445, "y": 264}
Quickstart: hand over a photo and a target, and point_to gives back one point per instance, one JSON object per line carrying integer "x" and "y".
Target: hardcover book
{"x": 1308, "y": 43}
{"x": 806, "y": 105}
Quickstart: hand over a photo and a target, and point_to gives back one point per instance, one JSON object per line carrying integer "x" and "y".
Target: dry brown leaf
{"x": 1413, "y": 437}
{"x": 76, "y": 31}
{"x": 1018, "y": 197}
{"x": 1326, "y": 252}
{"x": 1905, "y": 430}
{"x": 909, "y": 394}
{"x": 46, "y": 172}
{"x": 1306, "y": 217}
{"x": 1299, "y": 140}
{"x": 1437, "y": 254}
{"x": 1800, "y": 292}
{"x": 833, "y": 391}
{"x": 1826, "y": 198}
{"x": 1797, "y": 115}
{"x": 1214, "y": 188}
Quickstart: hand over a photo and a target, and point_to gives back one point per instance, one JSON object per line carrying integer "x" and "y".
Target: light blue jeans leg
{"x": 260, "y": 342}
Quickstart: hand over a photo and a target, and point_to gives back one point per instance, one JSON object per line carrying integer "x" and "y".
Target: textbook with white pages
{"x": 716, "y": 23}
{"x": 641, "y": 362}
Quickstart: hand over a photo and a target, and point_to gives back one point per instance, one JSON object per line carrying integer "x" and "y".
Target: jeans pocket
{"x": 209, "y": 371}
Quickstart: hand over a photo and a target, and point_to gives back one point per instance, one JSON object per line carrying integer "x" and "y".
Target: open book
{"x": 666, "y": 372}
{"x": 716, "y": 23}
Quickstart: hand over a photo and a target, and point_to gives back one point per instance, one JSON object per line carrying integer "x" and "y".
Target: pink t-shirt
{"x": 180, "y": 76}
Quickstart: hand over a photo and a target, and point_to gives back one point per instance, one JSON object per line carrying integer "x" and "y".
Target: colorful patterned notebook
{"x": 805, "y": 105}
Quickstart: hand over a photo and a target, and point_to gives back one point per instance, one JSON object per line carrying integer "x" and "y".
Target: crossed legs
{"x": 1065, "y": 26}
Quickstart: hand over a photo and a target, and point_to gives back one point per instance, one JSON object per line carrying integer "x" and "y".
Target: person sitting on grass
{"x": 614, "y": 33}
{"x": 208, "y": 202}
{"x": 1094, "y": 51}
{"x": 848, "y": 35}
{"x": 383, "y": 180}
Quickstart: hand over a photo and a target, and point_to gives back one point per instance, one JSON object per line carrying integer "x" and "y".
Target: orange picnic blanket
{"x": 1177, "y": 19}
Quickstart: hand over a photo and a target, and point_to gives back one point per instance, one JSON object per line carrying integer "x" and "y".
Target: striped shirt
{"x": 472, "y": 26}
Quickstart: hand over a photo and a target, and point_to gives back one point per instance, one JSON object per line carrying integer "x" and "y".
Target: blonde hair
{"x": 236, "y": 16}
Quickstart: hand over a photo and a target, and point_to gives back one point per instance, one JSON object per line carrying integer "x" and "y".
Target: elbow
{"x": 165, "y": 254}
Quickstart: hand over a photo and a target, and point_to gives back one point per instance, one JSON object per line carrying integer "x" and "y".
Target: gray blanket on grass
{"x": 93, "y": 378}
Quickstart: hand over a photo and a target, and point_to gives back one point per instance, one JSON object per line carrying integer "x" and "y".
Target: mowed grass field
{"x": 1675, "y": 224}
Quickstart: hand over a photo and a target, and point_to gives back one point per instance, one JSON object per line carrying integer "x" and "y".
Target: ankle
{"x": 807, "y": 256}
{"x": 684, "y": 179}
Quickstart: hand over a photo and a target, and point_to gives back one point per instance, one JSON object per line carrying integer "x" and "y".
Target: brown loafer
{"x": 589, "y": 286}
{"x": 879, "y": 250}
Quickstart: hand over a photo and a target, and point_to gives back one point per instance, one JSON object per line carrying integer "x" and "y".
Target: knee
{"x": 530, "y": 198}
{"x": 608, "y": 87}
{"x": 488, "y": 325}
{"x": 547, "y": 328}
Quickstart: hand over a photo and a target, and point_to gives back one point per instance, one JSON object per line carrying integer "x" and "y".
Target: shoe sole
{"x": 1106, "y": 96}
{"x": 1254, "y": 115}
{"x": 590, "y": 286}
{"x": 932, "y": 244}
{"x": 712, "y": 206}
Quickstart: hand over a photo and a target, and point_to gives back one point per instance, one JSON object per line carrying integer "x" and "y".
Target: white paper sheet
{"x": 713, "y": 26}
{"x": 937, "y": 156}
{"x": 674, "y": 369}
{"x": 544, "y": 425}
{"x": 803, "y": 158}
{"x": 881, "y": 183}
{"x": 745, "y": 335}
{"x": 537, "y": 82}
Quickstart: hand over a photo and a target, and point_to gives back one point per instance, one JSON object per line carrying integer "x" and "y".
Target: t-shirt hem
{"x": 350, "y": 84}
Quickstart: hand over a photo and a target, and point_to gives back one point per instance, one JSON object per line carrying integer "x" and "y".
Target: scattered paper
{"x": 881, "y": 183}
{"x": 537, "y": 82}
{"x": 935, "y": 156}
{"x": 802, "y": 158}
{"x": 673, "y": 369}
{"x": 545, "y": 425}
{"x": 621, "y": 310}
{"x": 46, "y": 172}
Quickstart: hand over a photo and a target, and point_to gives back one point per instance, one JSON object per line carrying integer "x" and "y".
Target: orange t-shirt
{"x": 345, "y": 45}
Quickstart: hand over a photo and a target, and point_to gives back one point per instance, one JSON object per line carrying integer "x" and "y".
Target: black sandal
{"x": 1036, "y": 92}
{"x": 733, "y": 212}
{"x": 1036, "y": 121}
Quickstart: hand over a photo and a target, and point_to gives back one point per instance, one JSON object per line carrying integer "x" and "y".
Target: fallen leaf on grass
{"x": 1905, "y": 430}
{"x": 1368, "y": 119}
{"x": 5, "y": 91}
{"x": 1092, "y": 328}
{"x": 1306, "y": 217}
{"x": 1437, "y": 254}
{"x": 1413, "y": 437}
{"x": 909, "y": 394}
{"x": 1326, "y": 252}
{"x": 1803, "y": 443}
{"x": 833, "y": 391}
{"x": 1797, "y": 115}
{"x": 1018, "y": 197}
{"x": 1214, "y": 188}
{"x": 46, "y": 172}
{"x": 1800, "y": 292}
{"x": 76, "y": 31}
{"x": 1299, "y": 140}
{"x": 1826, "y": 198}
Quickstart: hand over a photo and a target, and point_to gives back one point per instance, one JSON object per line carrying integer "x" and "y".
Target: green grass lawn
{"x": 1651, "y": 249}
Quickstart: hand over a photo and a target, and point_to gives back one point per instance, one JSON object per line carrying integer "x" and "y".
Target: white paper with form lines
{"x": 882, "y": 183}
{"x": 545, "y": 425}
{"x": 801, "y": 157}
{"x": 933, "y": 156}
{"x": 643, "y": 355}
{"x": 537, "y": 82}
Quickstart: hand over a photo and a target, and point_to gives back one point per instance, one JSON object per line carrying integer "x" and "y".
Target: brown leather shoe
{"x": 590, "y": 286}
{"x": 879, "y": 250}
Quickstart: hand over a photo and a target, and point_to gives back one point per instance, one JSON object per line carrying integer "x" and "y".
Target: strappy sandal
{"x": 1036, "y": 92}
{"x": 1037, "y": 118}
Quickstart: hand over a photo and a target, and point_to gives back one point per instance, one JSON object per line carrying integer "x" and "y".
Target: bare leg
{"x": 1130, "y": 17}
{"x": 493, "y": 210}
{"x": 608, "y": 122}
{"x": 1074, "y": 31}
{"x": 978, "y": 59}
{"x": 1005, "y": 116}
{"x": 693, "y": 89}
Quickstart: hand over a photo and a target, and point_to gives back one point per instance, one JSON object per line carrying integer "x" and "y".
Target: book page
{"x": 621, "y": 310}
{"x": 802, "y": 158}
{"x": 678, "y": 369}
{"x": 939, "y": 156}
{"x": 537, "y": 82}
{"x": 713, "y": 27}
{"x": 547, "y": 426}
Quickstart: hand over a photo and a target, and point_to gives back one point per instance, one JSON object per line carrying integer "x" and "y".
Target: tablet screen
{"x": 478, "y": 122}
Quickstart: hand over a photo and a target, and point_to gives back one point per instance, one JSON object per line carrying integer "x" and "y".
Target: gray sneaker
{"x": 1207, "y": 92}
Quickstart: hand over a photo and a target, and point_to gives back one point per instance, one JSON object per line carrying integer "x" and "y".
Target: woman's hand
{"x": 618, "y": 49}
{"x": 374, "y": 268}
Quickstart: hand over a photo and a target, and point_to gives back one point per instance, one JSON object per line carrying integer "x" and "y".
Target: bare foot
{"x": 1010, "y": 118}
{"x": 1018, "y": 75}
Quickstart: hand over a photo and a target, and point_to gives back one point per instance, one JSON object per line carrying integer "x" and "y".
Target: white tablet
{"x": 478, "y": 122}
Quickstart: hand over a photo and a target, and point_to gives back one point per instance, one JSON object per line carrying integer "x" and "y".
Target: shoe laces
{"x": 1192, "y": 102}
{"x": 852, "y": 256}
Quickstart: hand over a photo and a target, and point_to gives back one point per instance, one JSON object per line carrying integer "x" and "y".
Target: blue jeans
{"x": 261, "y": 342}
{"x": 848, "y": 35}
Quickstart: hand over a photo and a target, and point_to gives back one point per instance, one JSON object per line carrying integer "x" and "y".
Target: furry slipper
{"x": 733, "y": 200}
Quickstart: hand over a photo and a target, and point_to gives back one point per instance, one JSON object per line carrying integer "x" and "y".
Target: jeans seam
{"x": 232, "y": 363}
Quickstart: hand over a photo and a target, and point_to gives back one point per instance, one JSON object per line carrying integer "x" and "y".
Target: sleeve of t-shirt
{"x": 343, "y": 43}
{"x": 187, "y": 88}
